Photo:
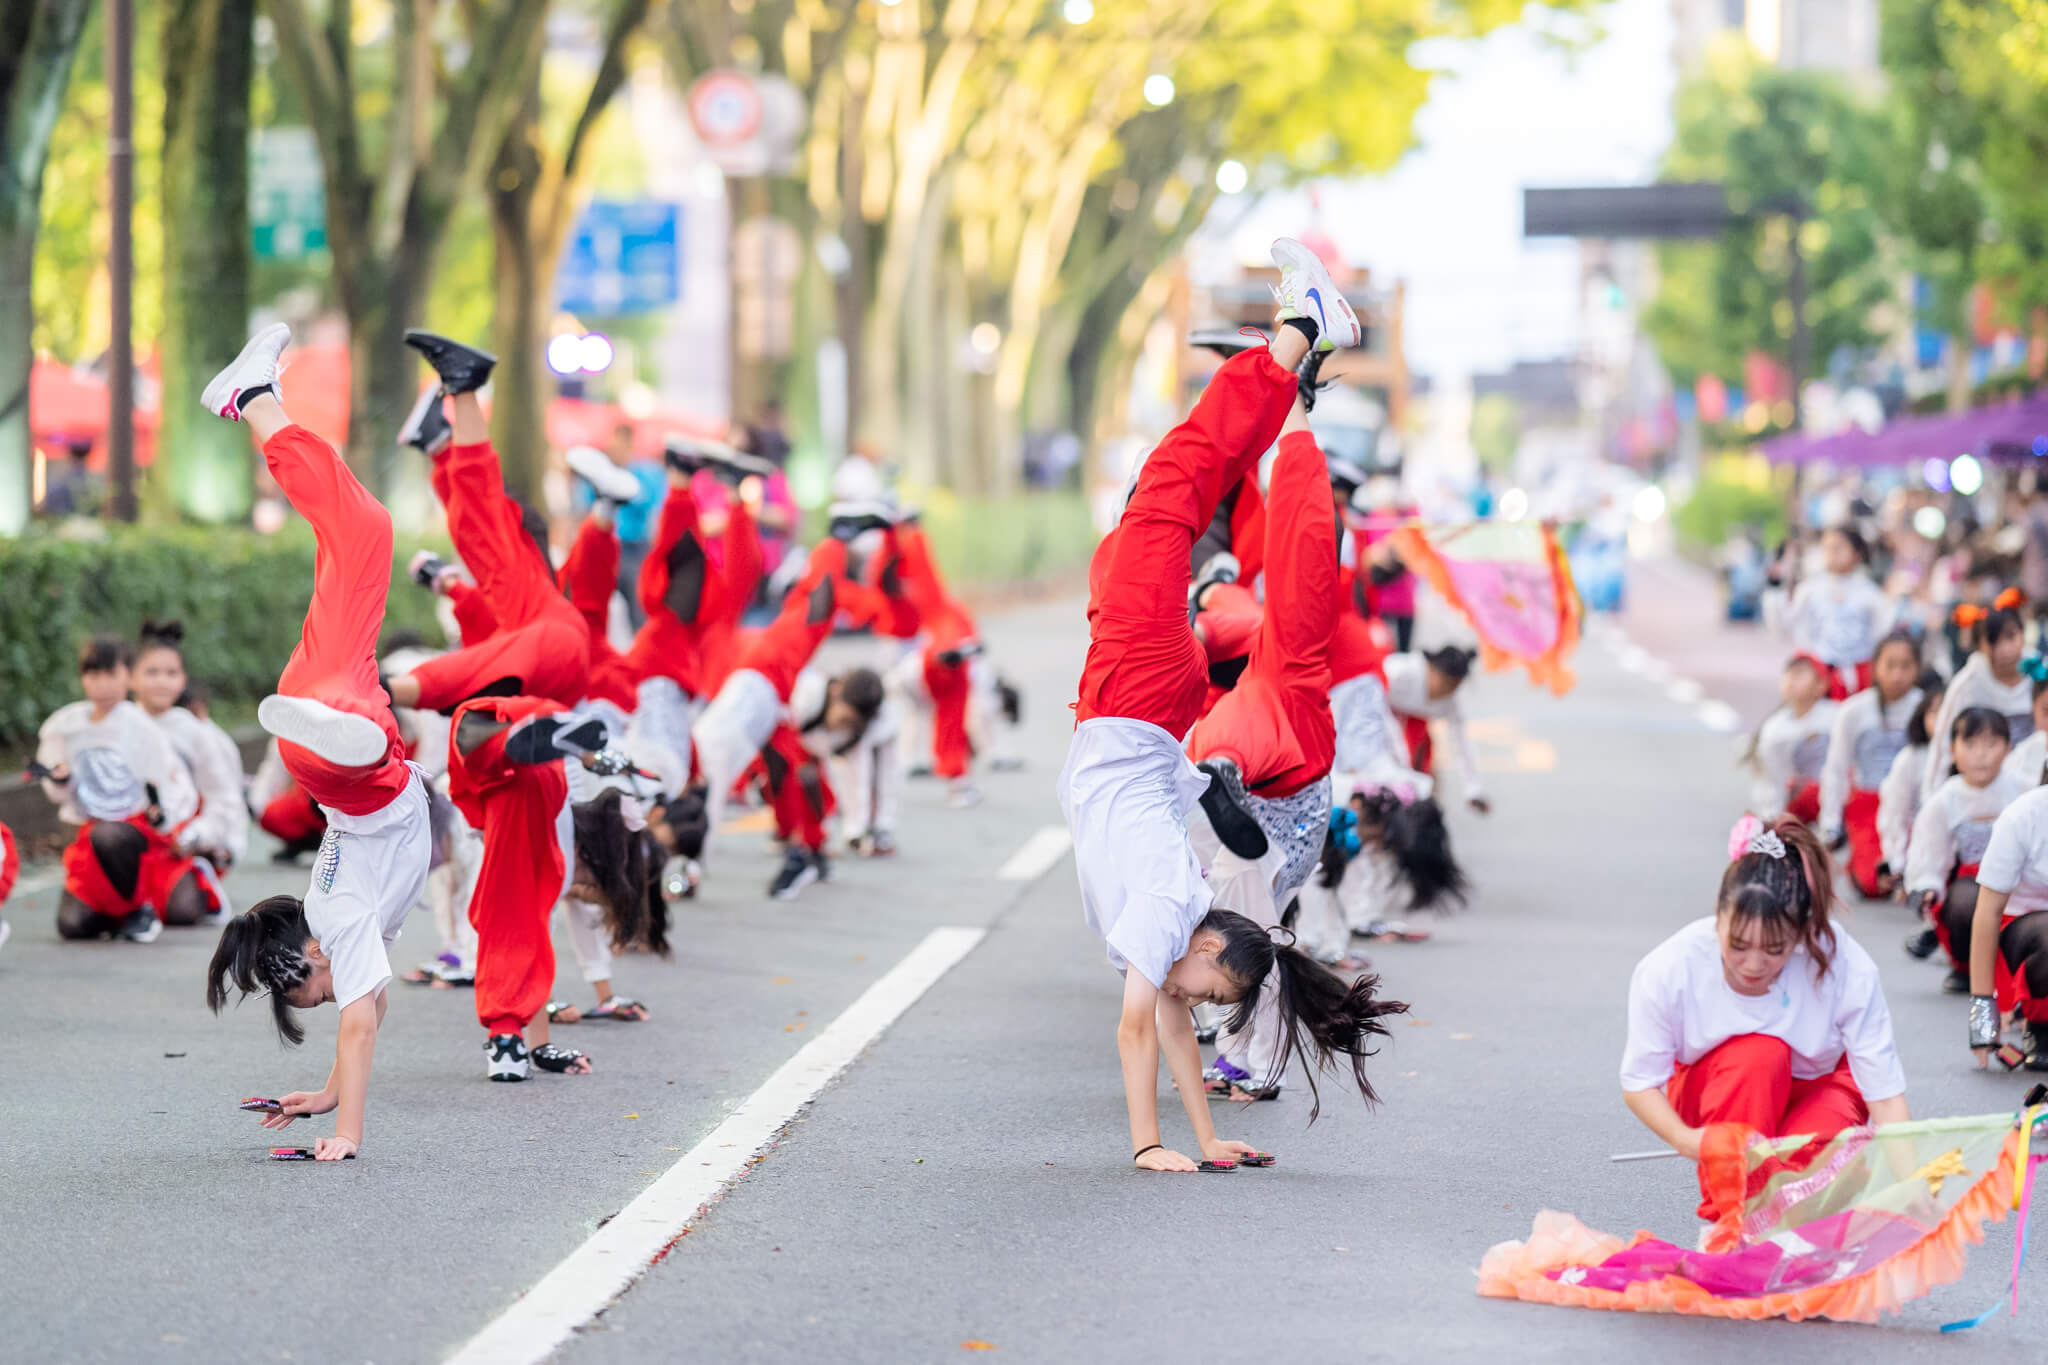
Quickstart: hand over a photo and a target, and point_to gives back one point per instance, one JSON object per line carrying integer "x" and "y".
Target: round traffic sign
{"x": 725, "y": 106}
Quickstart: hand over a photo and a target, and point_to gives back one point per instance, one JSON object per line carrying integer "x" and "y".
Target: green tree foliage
{"x": 1779, "y": 140}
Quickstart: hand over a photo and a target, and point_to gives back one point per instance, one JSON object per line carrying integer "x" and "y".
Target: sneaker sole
{"x": 591, "y": 465}
{"x": 409, "y": 433}
{"x": 345, "y": 740}
{"x": 219, "y": 392}
{"x": 789, "y": 893}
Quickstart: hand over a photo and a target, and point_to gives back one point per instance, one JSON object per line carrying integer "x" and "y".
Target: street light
{"x": 1159, "y": 90}
{"x": 1231, "y": 177}
{"x": 1965, "y": 475}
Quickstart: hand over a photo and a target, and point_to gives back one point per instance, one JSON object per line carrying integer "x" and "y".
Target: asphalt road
{"x": 964, "y": 1184}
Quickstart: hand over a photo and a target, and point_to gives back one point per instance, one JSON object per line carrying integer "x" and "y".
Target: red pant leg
{"x": 1866, "y": 850}
{"x": 85, "y": 879}
{"x": 1803, "y": 804}
{"x": 1248, "y": 528}
{"x": 474, "y": 620}
{"x": 949, "y": 686}
{"x": 1746, "y": 1080}
{"x": 1824, "y": 1106}
{"x": 10, "y": 862}
{"x": 519, "y": 808}
{"x": 292, "y": 817}
{"x": 163, "y": 867}
{"x": 1228, "y": 622}
{"x": 1421, "y": 749}
{"x": 485, "y": 525}
{"x": 1143, "y": 661}
{"x": 336, "y": 658}
{"x": 780, "y": 651}
{"x": 798, "y": 792}
{"x": 590, "y": 574}
{"x": 1278, "y": 717}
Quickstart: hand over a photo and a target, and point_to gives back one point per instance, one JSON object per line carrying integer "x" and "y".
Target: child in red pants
{"x": 921, "y": 606}
{"x": 10, "y": 865}
{"x": 1764, "y": 1013}
{"x": 339, "y": 741}
{"x": 1128, "y": 787}
{"x": 541, "y": 646}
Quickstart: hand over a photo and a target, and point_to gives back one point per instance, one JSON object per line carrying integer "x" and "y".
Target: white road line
{"x": 1037, "y": 856}
{"x": 1684, "y": 691}
{"x": 1719, "y": 716}
{"x": 604, "y": 1267}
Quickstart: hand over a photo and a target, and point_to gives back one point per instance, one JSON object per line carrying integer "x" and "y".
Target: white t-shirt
{"x": 1867, "y": 738}
{"x": 1954, "y": 826}
{"x": 2017, "y": 860}
{"x": 1681, "y": 1007}
{"x": 1840, "y": 617}
{"x": 1126, "y": 790}
{"x": 1408, "y": 695}
{"x": 368, "y": 876}
{"x": 1974, "y": 685}
{"x": 1790, "y": 750}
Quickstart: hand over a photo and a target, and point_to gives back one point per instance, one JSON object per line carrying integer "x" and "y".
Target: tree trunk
{"x": 40, "y": 38}
{"x": 519, "y": 313}
{"x": 208, "y": 58}
{"x": 384, "y": 379}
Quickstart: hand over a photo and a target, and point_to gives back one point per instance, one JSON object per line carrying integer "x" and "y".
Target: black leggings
{"x": 2023, "y": 943}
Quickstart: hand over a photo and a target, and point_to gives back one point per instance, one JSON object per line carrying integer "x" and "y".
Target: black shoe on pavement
{"x": 799, "y": 869}
{"x": 142, "y": 926}
{"x": 1922, "y": 944}
{"x": 1225, "y": 805}
{"x": 1957, "y": 982}
{"x": 426, "y": 427}
{"x": 463, "y": 369}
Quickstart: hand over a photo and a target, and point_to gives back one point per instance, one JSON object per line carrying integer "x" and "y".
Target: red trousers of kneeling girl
{"x": 115, "y": 876}
{"x": 1749, "y": 1080}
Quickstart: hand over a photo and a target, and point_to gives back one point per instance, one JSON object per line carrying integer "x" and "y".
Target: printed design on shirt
{"x": 1809, "y": 757}
{"x": 1873, "y": 755}
{"x": 1299, "y": 824}
{"x": 2019, "y": 725}
{"x": 1841, "y": 632}
{"x": 1972, "y": 838}
{"x": 328, "y": 861}
{"x": 104, "y": 786}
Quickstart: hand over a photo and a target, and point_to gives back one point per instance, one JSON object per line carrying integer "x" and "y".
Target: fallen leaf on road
{"x": 977, "y": 1346}
{"x": 1411, "y": 1073}
{"x": 860, "y": 957}
{"x": 174, "y": 1054}
{"x": 1418, "y": 1023}
{"x": 780, "y": 980}
{"x": 920, "y": 1161}
{"x": 632, "y": 1116}
{"x": 1461, "y": 1037}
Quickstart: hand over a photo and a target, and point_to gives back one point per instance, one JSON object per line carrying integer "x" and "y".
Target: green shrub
{"x": 242, "y": 597}
{"x": 1733, "y": 490}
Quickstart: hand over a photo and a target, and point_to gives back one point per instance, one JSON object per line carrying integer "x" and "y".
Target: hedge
{"x": 241, "y": 595}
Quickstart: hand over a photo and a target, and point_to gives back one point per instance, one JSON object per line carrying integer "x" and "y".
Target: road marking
{"x": 1037, "y": 856}
{"x": 1719, "y": 716}
{"x": 1685, "y": 691}
{"x": 619, "y": 1253}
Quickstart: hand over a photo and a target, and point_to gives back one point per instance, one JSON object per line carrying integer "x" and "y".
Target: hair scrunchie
{"x": 1751, "y": 835}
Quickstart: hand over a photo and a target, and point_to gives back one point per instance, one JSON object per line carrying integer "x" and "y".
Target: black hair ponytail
{"x": 1451, "y": 661}
{"x": 1320, "y": 1016}
{"x": 617, "y": 859}
{"x": 1920, "y": 725}
{"x": 1787, "y": 893}
{"x": 1415, "y": 835}
{"x": 160, "y": 635}
{"x": 263, "y": 949}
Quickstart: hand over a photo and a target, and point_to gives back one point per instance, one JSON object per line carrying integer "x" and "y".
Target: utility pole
{"x": 1795, "y": 289}
{"x": 121, "y": 256}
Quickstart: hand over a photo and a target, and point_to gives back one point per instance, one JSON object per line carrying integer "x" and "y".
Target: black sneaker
{"x": 1308, "y": 379}
{"x": 1957, "y": 982}
{"x": 142, "y": 926}
{"x": 1922, "y": 944}
{"x": 426, "y": 427}
{"x": 505, "y": 1057}
{"x": 799, "y": 869}
{"x": 2037, "y": 1047}
{"x": 959, "y": 654}
{"x": 547, "y": 738}
{"x": 427, "y": 568}
{"x": 852, "y": 519}
{"x": 1225, "y": 803}
{"x": 463, "y": 369}
{"x": 734, "y": 467}
{"x": 682, "y": 455}
{"x": 1225, "y": 344}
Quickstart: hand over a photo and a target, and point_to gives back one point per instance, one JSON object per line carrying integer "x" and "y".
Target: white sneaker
{"x": 505, "y": 1058}
{"x": 1307, "y": 291}
{"x": 255, "y": 367}
{"x": 963, "y": 795}
{"x": 341, "y": 737}
{"x": 595, "y": 468}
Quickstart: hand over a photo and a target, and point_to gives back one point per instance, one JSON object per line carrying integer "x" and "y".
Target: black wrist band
{"x": 1157, "y": 1146}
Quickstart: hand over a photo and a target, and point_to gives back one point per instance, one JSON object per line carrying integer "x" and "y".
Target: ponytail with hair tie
{"x": 2012, "y": 599}
{"x": 1969, "y": 615}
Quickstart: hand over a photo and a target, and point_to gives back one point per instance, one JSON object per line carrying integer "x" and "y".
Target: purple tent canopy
{"x": 2004, "y": 432}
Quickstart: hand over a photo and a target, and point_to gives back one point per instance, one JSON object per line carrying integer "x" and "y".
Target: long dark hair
{"x": 1787, "y": 895}
{"x": 1415, "y": 834}
{"x": 263, "y": 949}
{"x": 1920, "y": 726}
{"x": 1320, "y": 1016}
{"x": 618, "y": 861}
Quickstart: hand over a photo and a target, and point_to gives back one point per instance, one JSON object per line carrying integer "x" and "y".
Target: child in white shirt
{"x": 1790, "y": 749}
{"x": 1954, "y": 829}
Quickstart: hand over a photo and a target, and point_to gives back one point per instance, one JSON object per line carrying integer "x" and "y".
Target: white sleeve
{"x": 888, "y": 780}
{"x": 157, "y": 762}
{"x": 1938, "y": 746}
{"x": 1897, "y": 803}
{"x": 1468, "y": 762}
{"x": 1799, "y": 616}
{"x": 1865, "y": 1024}
{"x": 853, "y": 783}
{"x": 355, "y": 947}
{"x": 1931, "y": 855}
{"x": 2005, "y": 859}
{"x": 1651, "y": 1051}
{"x": 53, "y": 750}
{"x": 1774, "y": 745}
{"x": 1850, "y": 720}
{"x": 271, "y": 780}
{"x": 224, "y": 810}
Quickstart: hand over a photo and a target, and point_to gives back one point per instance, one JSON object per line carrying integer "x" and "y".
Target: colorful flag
{"x": 1512, "y": 582}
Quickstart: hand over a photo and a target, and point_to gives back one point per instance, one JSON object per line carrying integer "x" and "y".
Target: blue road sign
{"x": 625, "y": 257}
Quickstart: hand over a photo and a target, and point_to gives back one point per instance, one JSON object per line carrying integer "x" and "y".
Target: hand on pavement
{"x": 1164, "y": 1159}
